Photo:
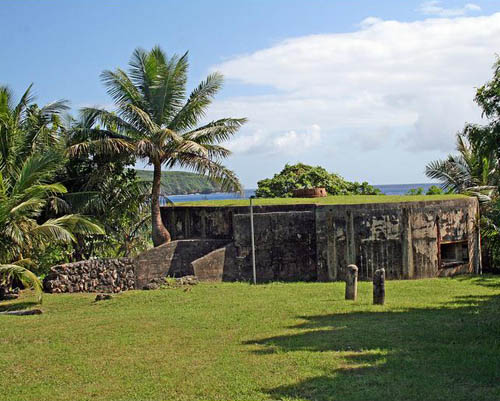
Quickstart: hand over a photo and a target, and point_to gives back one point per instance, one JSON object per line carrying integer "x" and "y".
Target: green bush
{"x": 435, "y": 190}
{"x": 300, "y": 176}
{"x": 415, "y": 191}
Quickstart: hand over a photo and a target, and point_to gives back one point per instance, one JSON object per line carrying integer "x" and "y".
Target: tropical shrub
{"x": 434, "y": 190}
{"x": 299, "y": 176}
{"x": 30, "y": 154}
{"x": 415, "y": 191}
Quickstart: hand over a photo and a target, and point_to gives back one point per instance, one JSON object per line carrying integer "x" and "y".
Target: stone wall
{"x": 114, "y": 275}
{"x": 219, "y": 265}
{"x": 285, "y": 250}
{"x": 95, "y": 275}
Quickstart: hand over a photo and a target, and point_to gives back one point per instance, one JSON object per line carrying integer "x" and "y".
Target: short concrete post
{"x": 379, "y": 287}
{"x": 351, "y": 283}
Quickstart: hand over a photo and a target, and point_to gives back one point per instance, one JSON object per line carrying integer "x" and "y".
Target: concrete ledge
{"x": 172, "y": 259}
{"x": 218, "y": 265}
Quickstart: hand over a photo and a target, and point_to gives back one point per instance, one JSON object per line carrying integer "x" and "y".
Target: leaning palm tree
{"x": 30, "y": 153}
{"x": 156, "y": 121}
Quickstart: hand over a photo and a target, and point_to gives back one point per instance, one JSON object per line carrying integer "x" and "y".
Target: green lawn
{"x": 327, "y": 200}
{"x": 436, "y": 339}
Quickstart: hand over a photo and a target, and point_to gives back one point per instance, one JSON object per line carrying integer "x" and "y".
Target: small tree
{"x": 299, "y": 176}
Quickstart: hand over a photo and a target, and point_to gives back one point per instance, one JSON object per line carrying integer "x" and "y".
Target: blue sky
{"x": 370, "y": 90}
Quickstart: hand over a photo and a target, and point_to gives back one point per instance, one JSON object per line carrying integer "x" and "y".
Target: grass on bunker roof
{"x": 327, "y": 200}
{"x": 435, "y": 339}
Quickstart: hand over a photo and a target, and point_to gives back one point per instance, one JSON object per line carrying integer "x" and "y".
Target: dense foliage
{"x": 33, "y": 212}
{"x": 299, "y": 176}
{"x": 475, "y": 169}
{"x": 107, "y": 188}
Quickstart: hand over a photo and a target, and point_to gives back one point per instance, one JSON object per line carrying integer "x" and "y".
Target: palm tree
{"x": 157, "y": 122}
{"x": 30, "y": 153}
{"x": 469, "y": 172}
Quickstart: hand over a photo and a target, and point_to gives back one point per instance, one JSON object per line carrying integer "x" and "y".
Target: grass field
{"x": 436, "y": 339}
{"x": 327, "y": 200}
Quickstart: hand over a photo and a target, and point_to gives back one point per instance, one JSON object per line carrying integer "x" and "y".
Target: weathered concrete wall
{"x": 285, "y": 250}
{"x": 94, "y": 275}
{"x": 317, "y": 242}
{"x": 403, "y": 238}
{"x": 187, "y": 222}
{"x": 285, "y": 244}
{"x": 172, "y": 259}
{"x": 219, "y": 265}
{"x": 295, "y": 242}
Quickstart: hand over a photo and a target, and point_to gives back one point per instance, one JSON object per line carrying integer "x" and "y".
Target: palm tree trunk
{"x": 160, "y": 233}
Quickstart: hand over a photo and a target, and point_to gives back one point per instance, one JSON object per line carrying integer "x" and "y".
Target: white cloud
{"x": 414, "y": 80}
{"x": 435, "y": 8}
{"x": 294, "y": 143}
{"x": 289, "y": 143}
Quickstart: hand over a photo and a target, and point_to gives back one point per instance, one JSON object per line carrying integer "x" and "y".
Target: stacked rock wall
{"x": 115, "y": 275}
{"x": 95, "y": 275}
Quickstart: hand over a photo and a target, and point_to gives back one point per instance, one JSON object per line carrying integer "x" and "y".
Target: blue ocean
{"x": 393, "y": 189}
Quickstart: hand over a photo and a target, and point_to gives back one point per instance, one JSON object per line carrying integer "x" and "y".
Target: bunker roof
{"x": 328, "y": 200}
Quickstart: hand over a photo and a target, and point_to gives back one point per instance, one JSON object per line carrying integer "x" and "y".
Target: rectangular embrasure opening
{"x": 454, "y": 253}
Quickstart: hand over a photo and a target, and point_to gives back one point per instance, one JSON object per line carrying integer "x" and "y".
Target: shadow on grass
{"x": 448, "y": 353}
{"x": 489, "y": 280}
{"x": 16, "y": 305}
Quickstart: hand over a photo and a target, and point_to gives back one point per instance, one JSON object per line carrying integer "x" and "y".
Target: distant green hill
{"x": 181, "y": 182}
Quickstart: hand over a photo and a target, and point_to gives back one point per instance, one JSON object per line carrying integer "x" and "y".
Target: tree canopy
{"x": 299, "y": 176}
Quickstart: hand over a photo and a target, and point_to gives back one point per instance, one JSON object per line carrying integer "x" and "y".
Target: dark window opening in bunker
{"x": 454, "y": 253}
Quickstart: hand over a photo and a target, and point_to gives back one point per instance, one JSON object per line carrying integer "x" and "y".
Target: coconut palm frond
{"x": 443, "y": 170}
{"x": 108, "y": 146}
{"x": 138, "y": 118}
{"x": 32, "y": 205}
{"x": 216, "y": 131}
{"x": 36, "y": 169}
{"x": 90, "y": 116}
{"x": 197, "y": 103}
{"x": 63, "y": 228}
{"x": 12, "y": 271}
{"x": 121, "y": 88}
{"x": 214, "y": 170}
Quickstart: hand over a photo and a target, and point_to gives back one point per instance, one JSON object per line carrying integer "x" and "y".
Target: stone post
{"x": 379, "y": 287}
{"x": 351, "y": 283}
